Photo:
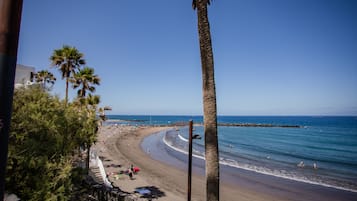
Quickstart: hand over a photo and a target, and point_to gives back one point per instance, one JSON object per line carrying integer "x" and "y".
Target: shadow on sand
{"x": 150, "y": 192}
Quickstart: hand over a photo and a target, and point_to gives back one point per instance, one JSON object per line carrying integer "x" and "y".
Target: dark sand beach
{"x": 121, "y": 145}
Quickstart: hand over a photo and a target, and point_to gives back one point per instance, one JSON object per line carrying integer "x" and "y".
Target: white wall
{"x": 23, "y": 74}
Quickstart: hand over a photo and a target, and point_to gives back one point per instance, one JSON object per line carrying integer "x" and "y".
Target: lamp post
{"x": 190, "y": 138}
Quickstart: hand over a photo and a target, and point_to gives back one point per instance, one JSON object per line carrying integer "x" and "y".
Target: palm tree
{"x": 89, "y": 105}
{"x": 67, "y": 59}
{"x": 43, "y": 77}
{"x": 85, "y": 79}
{"x": 209, "y": 101}
{"x": 91, "y": 102}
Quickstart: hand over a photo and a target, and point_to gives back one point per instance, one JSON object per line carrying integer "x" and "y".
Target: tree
{"x": 68, "y": 60}
{"x": 44, "y": 134}
{"x": 89, "y": 105}
{"x": 209, "y": 101}
{"x": 85, "y": 79}
{"x": 43, "y": 77}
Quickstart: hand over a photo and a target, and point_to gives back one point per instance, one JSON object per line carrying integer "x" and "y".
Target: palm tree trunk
{"x": 66, "y": 99}
{"x": 10, "y": 20}
{"x": 209, "y": 103}
{"x": 88, "y": 158}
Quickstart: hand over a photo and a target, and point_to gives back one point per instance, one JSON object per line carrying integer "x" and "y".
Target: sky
{"x": 271, "y": 57}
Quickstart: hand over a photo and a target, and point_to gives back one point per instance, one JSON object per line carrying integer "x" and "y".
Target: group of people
{"x": 302, "y": 164}
{"x": 132, "y": 170}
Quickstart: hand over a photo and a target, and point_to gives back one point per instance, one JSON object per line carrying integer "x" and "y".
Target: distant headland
{"x": 257, "y": 125}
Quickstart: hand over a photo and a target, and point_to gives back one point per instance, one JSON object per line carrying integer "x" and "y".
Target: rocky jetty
{"x": 257, "y": 125}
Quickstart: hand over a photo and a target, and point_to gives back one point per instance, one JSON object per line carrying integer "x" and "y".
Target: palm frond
{"x": 85, "y": 78}
{"x": 67, "y": 59}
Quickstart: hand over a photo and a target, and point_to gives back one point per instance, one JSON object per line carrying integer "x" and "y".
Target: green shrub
{"x": 44, "y": 136}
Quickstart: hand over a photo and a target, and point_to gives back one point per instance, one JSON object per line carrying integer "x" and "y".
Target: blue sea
{"x": 322, "y": 151}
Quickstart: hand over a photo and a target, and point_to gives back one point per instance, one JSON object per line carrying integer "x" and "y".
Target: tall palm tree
{"x": 91, "y": 102}
{"x": 89, "y": 105}
{"x": 68, "y": 60}
{"x": 85, "y": 79}
{"x": 209, "y": 101}
{"x": 43, "y": 77}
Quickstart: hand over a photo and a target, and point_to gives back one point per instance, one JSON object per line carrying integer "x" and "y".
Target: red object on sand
{"x": 136, "y": 169}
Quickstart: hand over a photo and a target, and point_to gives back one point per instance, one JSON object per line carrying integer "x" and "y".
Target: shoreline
{"x": 227, "y": 166}
{"x": 122, "y": 145}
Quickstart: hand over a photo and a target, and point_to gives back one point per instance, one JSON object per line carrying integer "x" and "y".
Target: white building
{"x": 24, "y": 75}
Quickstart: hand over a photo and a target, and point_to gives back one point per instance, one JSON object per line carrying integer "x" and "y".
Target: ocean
{"x": 322, "y": 150}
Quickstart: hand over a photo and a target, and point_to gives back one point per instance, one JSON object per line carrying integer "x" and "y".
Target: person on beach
{"x": 301, "y": 164}
{"x": 130, "y": 173}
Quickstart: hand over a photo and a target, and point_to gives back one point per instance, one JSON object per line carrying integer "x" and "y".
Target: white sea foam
{"x": 182, "y": 138}
{"x": 276, "y": 173}
{"x": 280, "y": 173}
{"x": 180, "y": 150}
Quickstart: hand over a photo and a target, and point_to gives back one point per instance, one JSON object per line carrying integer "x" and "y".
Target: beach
{"x": 120, "y": 145}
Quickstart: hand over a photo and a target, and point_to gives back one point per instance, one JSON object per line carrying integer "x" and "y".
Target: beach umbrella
{"x": 136, "y": 169}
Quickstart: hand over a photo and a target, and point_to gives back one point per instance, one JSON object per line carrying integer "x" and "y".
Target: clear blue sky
{"x": 272, "y": 57}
